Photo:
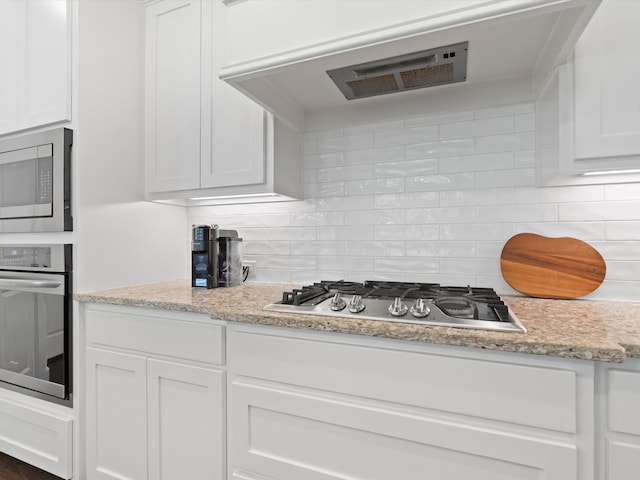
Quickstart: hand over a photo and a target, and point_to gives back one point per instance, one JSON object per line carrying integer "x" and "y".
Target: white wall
{"x": 432, "y": 199}
{"x": 119, "y": 239}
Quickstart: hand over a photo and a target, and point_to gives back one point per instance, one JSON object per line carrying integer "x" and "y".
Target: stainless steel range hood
{"x": 524, "y": 39}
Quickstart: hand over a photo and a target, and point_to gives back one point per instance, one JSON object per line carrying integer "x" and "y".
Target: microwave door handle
{"x": 19, "y": 283}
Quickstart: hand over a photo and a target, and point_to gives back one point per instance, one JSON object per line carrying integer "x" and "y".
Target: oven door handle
{"x": 19, "y": 283}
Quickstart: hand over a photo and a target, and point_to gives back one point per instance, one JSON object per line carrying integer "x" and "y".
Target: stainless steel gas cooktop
{"x": 417, "y": 303}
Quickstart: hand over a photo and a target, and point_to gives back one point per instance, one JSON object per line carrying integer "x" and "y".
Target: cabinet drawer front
{"x": 38, "y": 437}
{"x": 624, "y": 401}
{"x": 287, "y": 434}
{"x": 188, "y": 336}
{"x": 537, "y": 396}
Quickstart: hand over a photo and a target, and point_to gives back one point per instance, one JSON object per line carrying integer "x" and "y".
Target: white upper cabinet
{"x": 35, "y": 52}
{"x": 588, "y": 118}
{"x": 607, "y": 98}
{"x": 173, "y": 87}
{"x": 205, "y": 141}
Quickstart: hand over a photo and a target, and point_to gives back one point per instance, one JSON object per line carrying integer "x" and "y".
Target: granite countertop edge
{"x": 560, "y": 328}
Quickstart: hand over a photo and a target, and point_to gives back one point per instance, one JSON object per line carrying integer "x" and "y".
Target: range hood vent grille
{"x": 427, "y": 68}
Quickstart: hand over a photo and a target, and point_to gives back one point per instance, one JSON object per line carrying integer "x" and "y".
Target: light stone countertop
{"x": 583, "y": 329}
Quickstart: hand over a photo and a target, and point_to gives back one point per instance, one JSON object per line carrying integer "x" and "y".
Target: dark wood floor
{"x": 12, "y": 469}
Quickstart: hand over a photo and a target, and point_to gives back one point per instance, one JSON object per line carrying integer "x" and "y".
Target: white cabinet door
{"x": 238, "y": 140}
{"x": 203, "y": 137}
{"x": 173, "y": 96}
{"x": 238, "y": 124}
{"x": 607, "y": 98}
{"x": 186, "y": 422}
{"x": 287, "y": 433}
{"x": 35, "y": 52}
{"x": 116, "y": 416}
{"x": 9, "y": 61}
{"x": 45, "y": 91}
{"x": 620, "y": 422}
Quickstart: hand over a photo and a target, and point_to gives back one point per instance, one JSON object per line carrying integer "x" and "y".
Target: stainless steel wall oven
{"x": 36, "y": 320}
{"x": 35, "y": 182}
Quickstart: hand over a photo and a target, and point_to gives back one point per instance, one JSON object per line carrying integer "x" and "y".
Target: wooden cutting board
{"x": 546, "y": 267}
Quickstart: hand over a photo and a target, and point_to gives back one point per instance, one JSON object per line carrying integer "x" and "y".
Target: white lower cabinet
{"x": 619, "y": 443}
{"x": 314, "y": 407}
{"x": 154, "y": 412}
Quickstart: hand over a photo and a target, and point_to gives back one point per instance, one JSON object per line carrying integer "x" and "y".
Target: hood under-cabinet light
{"x": 611, "y": 172}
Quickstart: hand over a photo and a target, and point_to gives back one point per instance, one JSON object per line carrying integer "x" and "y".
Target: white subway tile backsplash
{"x": 411, "y": 167}
{"x": 623, "y": 230}
{"x": 375, "y": 248}
{"x": 625, "y": 270}
{"x": 270, "y": 276}
{"x": 477, "y": 231}
{"x": 438, "y": 119}
{"x": 507, "y": 142}
{"x": 505, "y": 110}
{"x": 345, "y": 233}
{"x": 517, "y": 213}
{"x": 488, "y": 196}
{"x": 343, "y": 262}
{"x": 430, "y": 198}
{"x": 580, "y": 193}
{"x": 362, "y": 202}
{"x": 439, "y": 215}
{"x": 461, "y": 146}
{"x": 487, "y": 266}
{"x": 349, "y": 172}
{"x": 620, "y": 251}
{"x": 286, "y": 262}
{"x": 289, "y": 233}
{"x": 525, "y": 122}
{"x": 269, "y": 247}
{"x": 524, "y": 159}
{"x": 476, "y": 128}
{"x": 522, "y": 177}
{"x": 582, "y": 230}
{"x": 324, "y": 160}
{"x": 329, "y": 189}
{"x": 374, "y": 127}
{"x": 407, "y": 232}
{"x": 622, "y": 191}
{"x": 317, "y": 218}
{"x": 406, "y": 136}
{"x": 317, "y": 248}
{"x": 323, "y": 134}
{"x": 377, "y": 185}
{"x": 440, "y": 249}
{"x": 622, "y": 210}
{"x": 393, "y": 153}
{"x": 376, "y": 217}
{"x": 474, "y": 163}
{"x": 341, "y": 144}
{"x": 450, "y": 181}
{"x": 407, "y": 264}
{"x": 407, "y": 200}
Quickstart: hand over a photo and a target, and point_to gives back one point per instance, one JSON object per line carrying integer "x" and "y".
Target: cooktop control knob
{"x": 356, "y": 305}
{"x": 420, "y": 309}
{"x": 337, "y": 303}
{"x": 398, "y": 308}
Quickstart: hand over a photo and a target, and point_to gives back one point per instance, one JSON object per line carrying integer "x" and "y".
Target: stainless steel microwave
{"x": 35, "y": 182}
